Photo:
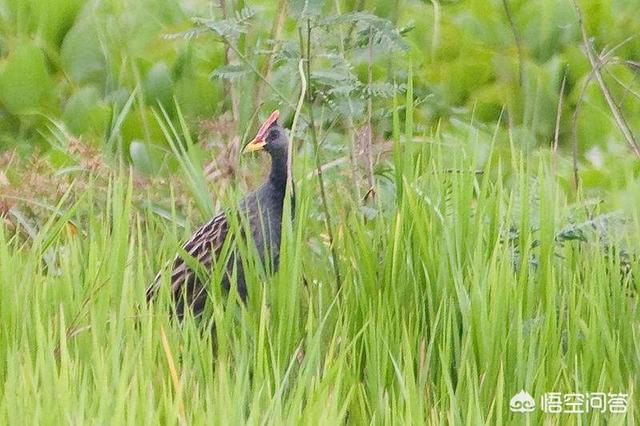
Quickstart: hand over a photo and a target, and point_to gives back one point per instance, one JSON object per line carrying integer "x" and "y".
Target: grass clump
{"x": 466, "y": 216}
{"x": 453, "y": 298}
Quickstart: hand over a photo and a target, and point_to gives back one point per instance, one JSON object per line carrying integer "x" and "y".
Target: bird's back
{"x": 260, "y": 213}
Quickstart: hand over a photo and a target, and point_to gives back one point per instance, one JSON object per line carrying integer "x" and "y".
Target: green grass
{"x": 480, "y": 268}
{"x": 444, "y": 311}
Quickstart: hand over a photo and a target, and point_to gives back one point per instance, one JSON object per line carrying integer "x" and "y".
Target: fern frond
{"x": 187, "y": 35}
{"x": 384, "y": 33}
{"x": 230, "y": 27}
{"x": 229, "y": 72}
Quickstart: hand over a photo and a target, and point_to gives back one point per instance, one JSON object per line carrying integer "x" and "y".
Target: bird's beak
{"x": 254, "y": 145}
{"x": 259, "y": 141}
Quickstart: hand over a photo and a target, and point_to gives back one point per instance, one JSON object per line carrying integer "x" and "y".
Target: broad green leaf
{"x": 86, "y": 111}
{"x": 157, "y": 86}
{"x": 25, "y": 83}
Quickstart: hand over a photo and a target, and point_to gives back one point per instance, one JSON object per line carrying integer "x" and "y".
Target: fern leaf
{"x": 229, "y": 72}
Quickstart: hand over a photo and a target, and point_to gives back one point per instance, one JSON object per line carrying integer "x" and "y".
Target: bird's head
{"x": 271, "y": 137}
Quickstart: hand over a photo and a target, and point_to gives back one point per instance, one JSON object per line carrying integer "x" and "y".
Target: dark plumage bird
{"x": 261, "y": 210}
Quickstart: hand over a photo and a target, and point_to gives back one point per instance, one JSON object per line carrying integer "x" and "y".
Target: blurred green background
{"x": 97, "y": 71}
{"x": 525, "y": 280}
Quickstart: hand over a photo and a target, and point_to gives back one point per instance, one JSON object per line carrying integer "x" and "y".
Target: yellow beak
{"x": 254, "y": 145}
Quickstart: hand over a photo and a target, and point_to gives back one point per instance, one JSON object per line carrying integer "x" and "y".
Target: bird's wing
{"x": 203, "y": 246}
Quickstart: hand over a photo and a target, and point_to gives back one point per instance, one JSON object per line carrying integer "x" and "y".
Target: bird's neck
{"x": 278, "y": 174}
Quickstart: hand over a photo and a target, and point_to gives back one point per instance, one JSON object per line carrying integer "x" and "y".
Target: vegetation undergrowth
{"x": 469, "y": 287}
{"x": 466, "y": 221}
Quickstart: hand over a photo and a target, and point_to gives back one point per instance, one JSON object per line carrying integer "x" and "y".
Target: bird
{"x": 261, "y": 210}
